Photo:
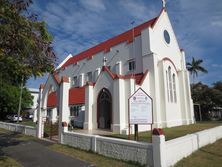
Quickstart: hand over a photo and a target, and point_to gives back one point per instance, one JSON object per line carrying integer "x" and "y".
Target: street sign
{"x": 140, "y": 108}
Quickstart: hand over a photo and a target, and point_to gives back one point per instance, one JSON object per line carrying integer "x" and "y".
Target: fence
{"x": 27, "y": 130}
{"x": 174, "y": 150}
{"x": 116, "y": 148}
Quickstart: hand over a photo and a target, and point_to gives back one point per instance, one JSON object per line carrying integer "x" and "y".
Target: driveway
{"x": 34, "y": 153}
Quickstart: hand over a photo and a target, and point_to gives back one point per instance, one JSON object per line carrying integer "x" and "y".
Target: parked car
{"x": 30, "y": 116}
{"x": 9, "y": 117}
{"x": 14, "y": 118}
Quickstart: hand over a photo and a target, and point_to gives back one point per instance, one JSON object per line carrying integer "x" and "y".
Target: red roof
{"x": 52, "y": 99}
{"x": 106, "y": 45}
{"x": 77, "y": 95}
{"x": 138, "y": 77}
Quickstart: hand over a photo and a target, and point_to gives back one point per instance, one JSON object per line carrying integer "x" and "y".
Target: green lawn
{"x": 8, "y": 162}
{"x": 209, "y": 156}
{"x": 171, "y": 133}
{"x": 28, "y": 123}
{"x": 95, "y": 159}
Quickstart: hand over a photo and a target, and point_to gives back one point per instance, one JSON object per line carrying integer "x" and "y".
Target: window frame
{"x": 132, "y": 65}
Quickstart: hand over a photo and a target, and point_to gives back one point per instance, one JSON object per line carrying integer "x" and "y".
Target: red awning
{"x": 77, "y": 96}
{"x": 52, "y": 99}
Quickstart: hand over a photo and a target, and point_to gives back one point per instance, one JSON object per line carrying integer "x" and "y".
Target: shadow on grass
{"x": 8, "y": 139}
{"x": 212, "y": 153}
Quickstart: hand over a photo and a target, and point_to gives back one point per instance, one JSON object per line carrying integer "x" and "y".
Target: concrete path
{"x": 35, "y": 153}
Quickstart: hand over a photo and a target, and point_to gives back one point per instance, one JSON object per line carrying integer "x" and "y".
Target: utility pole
{"x": 20, "y": 100}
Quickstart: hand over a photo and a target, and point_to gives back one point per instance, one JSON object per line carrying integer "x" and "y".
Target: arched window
{"x": 174, "y": 89}
{"x": 167, "y": 84}
{"x": 170, "y": 84}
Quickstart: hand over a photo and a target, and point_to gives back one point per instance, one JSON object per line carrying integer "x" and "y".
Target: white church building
{"x": 100, "y": 80}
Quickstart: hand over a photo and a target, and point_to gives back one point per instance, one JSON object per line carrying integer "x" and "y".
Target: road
{"x": 34, "y": 153}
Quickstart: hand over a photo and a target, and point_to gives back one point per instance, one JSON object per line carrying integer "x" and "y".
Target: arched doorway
{"x": 104, "y": 108}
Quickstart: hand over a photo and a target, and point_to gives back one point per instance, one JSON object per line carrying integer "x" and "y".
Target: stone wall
{"x": 115, "y": 148}
{"x": 27, "y": 130}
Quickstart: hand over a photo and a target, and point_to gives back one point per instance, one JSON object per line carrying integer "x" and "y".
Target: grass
{"x": 93, "y": 158}
{"x": 171, "y": 133}
{"x": 28, "y": 123}
{"x": 8, "y": 162}
{"x": 208, "y": 156}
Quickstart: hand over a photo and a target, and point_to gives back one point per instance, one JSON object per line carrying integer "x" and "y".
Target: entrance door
{"x": 104, "y": 106}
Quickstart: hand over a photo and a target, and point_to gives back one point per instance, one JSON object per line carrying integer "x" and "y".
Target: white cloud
{"x": 217, "y": 65}
{"x": 80, "y": 24}
{"x": 94, "y": 5}
{"x": 138, "y": 9}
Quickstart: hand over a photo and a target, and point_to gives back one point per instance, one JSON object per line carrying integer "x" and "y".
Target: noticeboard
{"x": 140, "y": 108}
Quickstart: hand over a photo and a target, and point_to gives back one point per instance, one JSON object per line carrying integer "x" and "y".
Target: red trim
{"x": 64, "y": 79}
{"x": 77, "y": 95}
{"x": 56, "y": 77}
{"x": 106, "y": 45}
{"x": 157, "y": 131}
{"x": 139, "y": 78}
{"x": 142, "y": 77}
{"x": 52, "y": 99}
{"x": 90, "y": 84}
{"x": 168, "y": 59}
{"x": 64, "y": 124}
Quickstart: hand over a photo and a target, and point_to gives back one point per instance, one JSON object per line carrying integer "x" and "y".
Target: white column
{"x": 81, "y": 80}
{"x": 119, "y": 67}
{"x": 54, "y": 115}
{"x": 63, "y": 106}
{"x": 119, "y": 109}
{"x": 159, "y": 150}
{"x": 35, "y": 117}
{"x": 88, "y": 107}
{"x": 40, "y": 123}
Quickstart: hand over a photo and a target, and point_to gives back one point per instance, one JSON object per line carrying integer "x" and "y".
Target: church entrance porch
{"x": 104, "y": 108}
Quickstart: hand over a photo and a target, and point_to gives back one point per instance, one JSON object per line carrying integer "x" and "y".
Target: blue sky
{"x": 79, "y": 24}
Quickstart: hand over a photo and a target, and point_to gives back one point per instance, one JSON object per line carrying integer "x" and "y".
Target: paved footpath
{"x": 35, "y": 153}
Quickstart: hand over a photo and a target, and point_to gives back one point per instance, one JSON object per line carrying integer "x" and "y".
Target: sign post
{"x": 140, "y": 110}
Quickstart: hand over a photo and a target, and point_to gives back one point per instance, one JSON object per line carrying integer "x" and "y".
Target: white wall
{"x": 27, "y": 130}
{"x": 111, "y": 147}
{"x": 186, "y": 145}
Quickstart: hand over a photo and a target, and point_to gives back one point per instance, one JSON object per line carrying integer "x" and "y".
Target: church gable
{"x": 163, "y": 39}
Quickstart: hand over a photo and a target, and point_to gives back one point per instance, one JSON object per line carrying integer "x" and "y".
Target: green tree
{"x": 25, "y": 50}
{"x": 195, "y": 67}
{"x": 207, "y": 97}
{"x": 9, "y": 96}
{"x": 25, "y": 44}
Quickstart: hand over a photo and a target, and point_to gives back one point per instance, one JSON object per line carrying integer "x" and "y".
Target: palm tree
{"x": 194, "y": 67}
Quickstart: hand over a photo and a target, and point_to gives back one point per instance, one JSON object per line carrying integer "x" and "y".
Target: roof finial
{"x": 104, "y": 61}
{"x": 164, "y": 3}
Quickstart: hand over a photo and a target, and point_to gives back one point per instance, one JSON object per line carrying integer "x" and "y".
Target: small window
{"x": 170, "y": 84}
{"x": 167, "y": 84}
{"x": 74, "y": 110}
{"x": 166, "y": 36}
{"x": 174, "y": 89}
{"x": 75, "y": 81}
{"x": 132, "y": 65}
{"x": 89, "y": 77}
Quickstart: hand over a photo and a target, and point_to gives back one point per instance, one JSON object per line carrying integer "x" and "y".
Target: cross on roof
{"x": 164, "y": 3}
{"x": 104, "y": 61}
